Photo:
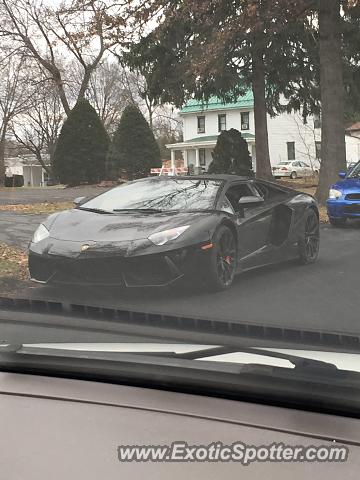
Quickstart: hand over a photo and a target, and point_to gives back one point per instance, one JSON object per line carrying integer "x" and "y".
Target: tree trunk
{"x": 151, "y": 123}
{"x": 63, "y": 99}
{"x": 85, "y": 83}
{"x": 42, "y": 163}
{"x": 263, "y": 166}
{"x": 333, "y": 151}
{"x": 2, "y": 154}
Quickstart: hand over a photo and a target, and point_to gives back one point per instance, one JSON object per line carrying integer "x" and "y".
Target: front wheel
{"x": 293, "y": 175}
{"x": 310, "y": 243}
{"x": 223, "y": 262}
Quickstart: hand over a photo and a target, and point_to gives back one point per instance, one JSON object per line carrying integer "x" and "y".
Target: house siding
{"x": 282, "y": 129}
{"x": 352, "y": 149}
{"x": 233, "y": 120}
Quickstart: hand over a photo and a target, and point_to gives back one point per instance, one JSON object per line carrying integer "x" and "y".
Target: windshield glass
{"x": 355, "y": 171}
{"x": 164, "y": 195}
{"x": 183, "y": 167}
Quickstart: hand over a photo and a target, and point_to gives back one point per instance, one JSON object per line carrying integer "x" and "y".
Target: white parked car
{"x": 293, "y": 169}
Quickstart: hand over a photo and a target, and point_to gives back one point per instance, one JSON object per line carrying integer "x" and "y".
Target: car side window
{"x": 235, "y": 192}
{"x": 268, "y": 192}
{"x": 226, "y": 206}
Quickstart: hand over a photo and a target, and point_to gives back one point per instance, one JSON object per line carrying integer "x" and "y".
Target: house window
{"x": 245, "y": 121}
{"x": 222, "y": 122}
{"x": 291, "y": 150}
{"x": 202, "y": 157}
{"x": 318, "y": 150}
{"x": 201, "y": 124}
{"x": 317, "y": 120}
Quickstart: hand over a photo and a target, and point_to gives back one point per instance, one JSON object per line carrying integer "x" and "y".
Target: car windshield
{"x": 355, "y": 171}
{"x": 164, "y": 195}
{"x": 179, "y": 171}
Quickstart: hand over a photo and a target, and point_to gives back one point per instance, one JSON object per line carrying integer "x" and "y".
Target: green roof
{"x": 214, "y": 103}
{"x": 213, "y": 138}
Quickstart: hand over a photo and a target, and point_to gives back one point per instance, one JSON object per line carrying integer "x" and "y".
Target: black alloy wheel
{"x": 224, "y": 259}
{"x": 310, "y": 244}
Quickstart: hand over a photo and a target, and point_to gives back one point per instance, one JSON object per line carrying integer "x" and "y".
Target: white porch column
{"x": 31, "y": 176}
{"x": 185, "y": 154}
{"x": 172, "y": 158}
{"x": 197, "y": 158}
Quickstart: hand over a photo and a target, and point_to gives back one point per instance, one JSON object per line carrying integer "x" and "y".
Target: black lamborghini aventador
{"x": 158, "y": 230}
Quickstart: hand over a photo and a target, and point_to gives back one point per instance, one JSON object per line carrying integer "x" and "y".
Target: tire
{"x": 223, "y": 261}
{"x": 293, "y": 175}
{"x": 337, "y": 222}
{"x": 310, "y": 242}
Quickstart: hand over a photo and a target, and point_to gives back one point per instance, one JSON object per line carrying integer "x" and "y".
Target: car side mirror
{"x": 78, "y": 201}
{"x": 342, "y": 174}
{"x": 250, "y": 200}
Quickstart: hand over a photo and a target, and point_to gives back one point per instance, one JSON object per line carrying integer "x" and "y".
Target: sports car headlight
{"x": 334, "y": 194}
{"x": 160, "y": 238}
{"x": 40, "y": 234}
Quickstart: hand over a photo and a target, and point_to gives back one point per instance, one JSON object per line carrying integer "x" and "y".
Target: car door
{"x": 281, "y": 219}
{"x": 252, "y": 221}
{"x": 306, "y": 169}
{"x": 296, "y": 167}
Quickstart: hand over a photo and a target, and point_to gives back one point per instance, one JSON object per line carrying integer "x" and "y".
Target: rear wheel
{"x": 310, "y": 243}
{"x": 293, "y": 175}
{"x": 337, "y": 222}
{"x": 223, "y": 259}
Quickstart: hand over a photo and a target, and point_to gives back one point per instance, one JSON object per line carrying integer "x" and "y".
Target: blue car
{"x": 344, "y": 197}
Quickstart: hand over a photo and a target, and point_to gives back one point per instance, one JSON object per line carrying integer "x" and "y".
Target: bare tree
{"x": 308, "y": 139}
{"x": 16, "y": 93}
{"x": 38, "y": 128}
{"x": 139, "y": 93}
{"x": 82, "y": 30}
{"x": 107, "y": 92}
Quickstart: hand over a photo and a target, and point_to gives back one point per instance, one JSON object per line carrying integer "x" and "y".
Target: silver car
{"x": 293, "y": 169}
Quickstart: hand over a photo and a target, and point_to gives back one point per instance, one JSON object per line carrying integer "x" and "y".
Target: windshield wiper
{"x": 95, "y": 210}
{"x": 145, "y": 210}
{"x": 307, "y": 365}
{"x": 302, "y": 365}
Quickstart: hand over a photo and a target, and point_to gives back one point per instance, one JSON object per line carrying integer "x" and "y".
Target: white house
{"x": 29, "y": 168}
{"x": 289, "y": 137}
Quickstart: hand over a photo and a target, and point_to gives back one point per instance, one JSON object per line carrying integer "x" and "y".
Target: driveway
{"x": 17, "y": 196}
{"x": 323, "y": 295}
{"x": 319, "y": 296}
{"x": 16, "y": 229}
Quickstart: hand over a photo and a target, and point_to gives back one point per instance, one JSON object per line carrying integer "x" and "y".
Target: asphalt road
{"x": 16, "y": 229}
{"x": 17, "y": 196}
{"x": 323, "y": 296}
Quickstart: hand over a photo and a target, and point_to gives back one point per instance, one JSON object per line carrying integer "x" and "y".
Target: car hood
{"x": 349, "y": 184}
{"x": 81, "y": 225}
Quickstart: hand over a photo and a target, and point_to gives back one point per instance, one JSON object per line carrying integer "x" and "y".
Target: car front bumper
{"x": 112, "y": 266}
{"x": 342, "y": 208}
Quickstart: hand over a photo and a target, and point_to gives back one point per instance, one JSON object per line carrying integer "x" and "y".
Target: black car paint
{"x": 120, "y": 242}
